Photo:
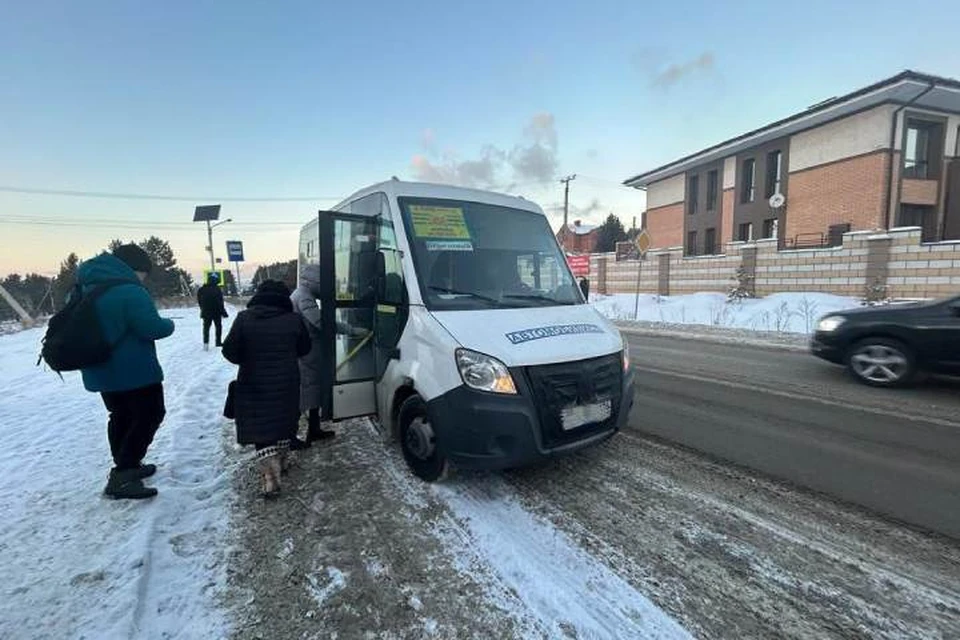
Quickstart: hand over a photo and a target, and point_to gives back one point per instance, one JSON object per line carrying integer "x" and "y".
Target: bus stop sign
{"x": 234, "y": 251}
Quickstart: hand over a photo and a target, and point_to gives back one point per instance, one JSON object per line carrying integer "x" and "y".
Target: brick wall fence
{"x": 896, "y": 260}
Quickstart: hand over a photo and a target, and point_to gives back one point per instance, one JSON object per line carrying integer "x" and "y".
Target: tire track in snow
{"x": 533, "y": 569}
{"x": 565, "y": 588}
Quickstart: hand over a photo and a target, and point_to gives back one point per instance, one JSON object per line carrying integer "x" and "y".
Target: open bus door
{"x": 348, "y": 268}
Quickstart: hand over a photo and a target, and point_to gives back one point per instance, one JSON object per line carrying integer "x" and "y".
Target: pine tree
{"x": 609, "y": 234}
{"x": 65, "y": 280}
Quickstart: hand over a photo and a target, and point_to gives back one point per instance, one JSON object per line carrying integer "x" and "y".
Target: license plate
{"x": 581, "y": 414}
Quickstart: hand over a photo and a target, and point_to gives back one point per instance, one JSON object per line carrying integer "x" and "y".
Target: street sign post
{"x": 642, "y": 242}
{"x": 235, "y": 255}
{"x": 234, "y": 251}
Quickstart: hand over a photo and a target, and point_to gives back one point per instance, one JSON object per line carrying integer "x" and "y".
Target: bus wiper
{"x": 458, "y": 292}
{"x": 534, "y": 296}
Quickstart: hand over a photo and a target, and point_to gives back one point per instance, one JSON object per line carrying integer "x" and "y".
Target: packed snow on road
{"x": 633, "y": 539}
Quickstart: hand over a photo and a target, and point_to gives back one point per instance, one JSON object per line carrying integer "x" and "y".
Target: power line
{"x": 127, "y": 223}
{"x": 606, "y": 181}
{"x": 150, "y": 196}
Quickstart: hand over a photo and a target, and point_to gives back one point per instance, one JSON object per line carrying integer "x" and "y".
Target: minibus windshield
{"x": 471, "y": 255}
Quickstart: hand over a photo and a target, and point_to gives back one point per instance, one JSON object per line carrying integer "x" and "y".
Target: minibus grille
{"x": 557, "y": 387}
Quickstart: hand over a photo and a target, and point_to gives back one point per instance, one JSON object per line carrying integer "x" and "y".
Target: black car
{"x": 886, "y": 346}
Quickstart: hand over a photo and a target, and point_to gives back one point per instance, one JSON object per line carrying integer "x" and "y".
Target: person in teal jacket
{"x": 131, "y": 381}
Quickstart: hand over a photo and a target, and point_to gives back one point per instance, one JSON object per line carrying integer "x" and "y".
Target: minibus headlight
{"x": 626, "y": 354}
{"x": 484, "y": 373}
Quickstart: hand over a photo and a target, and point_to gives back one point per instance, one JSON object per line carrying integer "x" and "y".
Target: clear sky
{"x": 316, "y": 99}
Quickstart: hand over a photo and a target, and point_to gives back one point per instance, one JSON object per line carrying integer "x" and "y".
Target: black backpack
{"x": 74, "y": 338}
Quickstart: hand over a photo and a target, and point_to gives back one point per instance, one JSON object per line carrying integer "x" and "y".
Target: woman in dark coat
{"x": 266, "y": 341}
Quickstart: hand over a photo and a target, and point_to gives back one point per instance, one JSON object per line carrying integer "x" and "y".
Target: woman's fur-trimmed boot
{"x": 269, "y": 459}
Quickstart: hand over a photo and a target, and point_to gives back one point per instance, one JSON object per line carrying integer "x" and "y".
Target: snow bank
{"x": 780, "y": 312}
{"x": 78, "y": 565}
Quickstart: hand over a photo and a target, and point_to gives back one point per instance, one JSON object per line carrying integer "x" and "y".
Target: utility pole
{"x": 566, "y": 197}
{"x": 25, "y": 318}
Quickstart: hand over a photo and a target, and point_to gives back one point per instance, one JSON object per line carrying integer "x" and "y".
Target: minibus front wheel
{"x": 418, "y": 441}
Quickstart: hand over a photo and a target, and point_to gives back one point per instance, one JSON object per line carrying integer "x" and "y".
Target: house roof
{"x": 582, "y": 229}
{"x": 920, "y": 89}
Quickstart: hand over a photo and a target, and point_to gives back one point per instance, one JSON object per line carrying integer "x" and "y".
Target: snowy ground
{"x": 780, "y": 312}
{"x": 77, "y": 565}
{"x": 634, "y": 539}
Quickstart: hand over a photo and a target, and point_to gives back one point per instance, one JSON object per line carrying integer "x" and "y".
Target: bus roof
{"x": 400, "y": 189}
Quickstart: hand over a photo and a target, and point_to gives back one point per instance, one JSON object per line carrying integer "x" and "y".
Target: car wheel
{"x": 882, "y": 362}
{"x": 418, "y": 441}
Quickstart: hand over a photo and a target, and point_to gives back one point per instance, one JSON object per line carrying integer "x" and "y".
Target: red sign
{"x": 580, "y": 265}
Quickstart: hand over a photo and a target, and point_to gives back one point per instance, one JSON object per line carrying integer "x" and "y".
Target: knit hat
{"x": 135, "y": 257}
{"x": 274, "y": 286}
{"x": 272, "y": 293}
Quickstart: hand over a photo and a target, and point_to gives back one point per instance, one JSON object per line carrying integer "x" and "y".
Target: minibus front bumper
{"x": 479, "y": 430}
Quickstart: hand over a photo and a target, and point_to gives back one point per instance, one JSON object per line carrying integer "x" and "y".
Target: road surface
{"x": 636, "y": 538}
{"x": 796, "y": 417}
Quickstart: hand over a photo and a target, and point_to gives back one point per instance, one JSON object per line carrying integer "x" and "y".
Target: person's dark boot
{"x": 320, "y": 434}
{"x": 296, "y": 444}
{"x": 127, "y": 485}
{"x": 146, "y": 470}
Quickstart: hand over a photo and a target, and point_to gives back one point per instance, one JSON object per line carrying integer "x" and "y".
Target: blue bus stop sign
{"x": 234, "y": 251}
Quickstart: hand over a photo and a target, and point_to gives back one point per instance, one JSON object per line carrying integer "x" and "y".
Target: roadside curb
{"x": 715, "y": 338}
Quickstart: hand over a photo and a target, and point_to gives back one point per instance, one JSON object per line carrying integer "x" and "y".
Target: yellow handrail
{"x": 354, "y": 351}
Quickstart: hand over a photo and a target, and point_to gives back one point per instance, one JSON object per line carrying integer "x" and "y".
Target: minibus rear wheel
{"x": 418, "y": 441}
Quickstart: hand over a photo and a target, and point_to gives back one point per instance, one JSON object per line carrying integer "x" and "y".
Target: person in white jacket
{"x": 312, "y": 372}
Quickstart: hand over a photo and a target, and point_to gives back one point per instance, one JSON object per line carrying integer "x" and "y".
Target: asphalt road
{"x": 797, "y": 418}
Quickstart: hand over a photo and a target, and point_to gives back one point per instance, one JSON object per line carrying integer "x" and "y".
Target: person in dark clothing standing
{"x": 212, "y": 310}
{"x": 130, "y": 382}
{"x": 266, "y": 341}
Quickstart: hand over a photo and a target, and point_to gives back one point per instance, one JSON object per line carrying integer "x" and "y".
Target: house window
{"x": 748, "y": 184}
{"x": 712, "y": 188}
{"x": 774, "y": 173}
{"x": 920, "y": 153}
{"x": 691, "y": 243}
{"x": 745, "y": 232}
{"x": 920, "y": 216}
{"x": 770, "y": 228}
{"x": 693, "y": 194}
{"x": 710, "y": 242}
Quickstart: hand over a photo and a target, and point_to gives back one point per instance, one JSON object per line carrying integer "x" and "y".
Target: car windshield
{"x": 471, "y": 255}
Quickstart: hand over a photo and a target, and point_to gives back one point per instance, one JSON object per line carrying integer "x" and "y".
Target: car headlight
{"x": 830, "y": 323}
{"x": 484, "y": 373}
{"x": 626, "y": 354}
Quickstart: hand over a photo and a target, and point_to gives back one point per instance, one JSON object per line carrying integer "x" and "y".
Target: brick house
{"x": 578, "y": 237}
{"x": 884, "y": 156}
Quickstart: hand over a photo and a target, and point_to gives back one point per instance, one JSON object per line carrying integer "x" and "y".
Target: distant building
{"x": 578, "y": 237}
{"x": 883, "y": 156}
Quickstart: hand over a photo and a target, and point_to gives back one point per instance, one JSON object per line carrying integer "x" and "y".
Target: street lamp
{"x": 210, "y": 228}
{"x": 209, "y": 213}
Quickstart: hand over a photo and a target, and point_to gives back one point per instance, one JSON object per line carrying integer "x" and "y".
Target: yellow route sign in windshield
{"x": 439, "y": 222}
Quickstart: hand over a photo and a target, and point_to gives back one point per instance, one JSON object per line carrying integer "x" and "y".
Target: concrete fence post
{"x": 878, "y": 266}
{"x": 663, "y": 274}
{"x": 602, "y": 275}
